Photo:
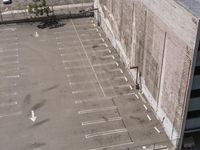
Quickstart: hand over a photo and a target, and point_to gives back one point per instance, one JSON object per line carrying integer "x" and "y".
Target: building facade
{"x": 161, "y": 39}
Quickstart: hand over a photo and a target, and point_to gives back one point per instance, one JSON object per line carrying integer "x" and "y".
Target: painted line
{"x": 100, "y": 34}
{"x": 97, "y": 39}
{"x": 83, "y": 91}
{"x": 157, "y": 130}
{"x": 92, "y": 29}
{"x": 101, "y": 121}
{"x": 78, "y": 67}
{"x": 149, "y": 117}
{"x": 108, "y": 56}
{"x": 11, "y": 94}
{"x": 106, "y": 133}
{"x": 113, "y": 146}
{"x": 120, "y": 86}
{"x": 8, "y": 29}
{"x": 88, "y": 59}
{"x": 82, "y": 74}
{"x": 136, "y": 96}
{"x": 8, "y": 104}
{"x": 97, "y": 110}
{"x": 71, "y": 61}
{"x": 11, "y": 115}
{"x": 8, "y": 63}
{"x": 59, "y": 43}
{"x": 92, "y": 100}
{"x": 106, "y": 64}
{"x": 102, "y": 99}
{"x": 13, "y": 76}
{"x": 8, "y": 56}
{"x": 145, "y": 107}
{"x": 8, "y": 86}
{"x": 3, "y": 51}
{"x": 71, "y": 54}
{"x": 82, "y": 82}
{"x": 100, "y": 44}
{"x": 8, "y": 39}
{"x": 12, "y": 69}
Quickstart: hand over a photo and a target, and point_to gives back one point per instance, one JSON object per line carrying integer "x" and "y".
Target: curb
{"x": 38, "y": 19}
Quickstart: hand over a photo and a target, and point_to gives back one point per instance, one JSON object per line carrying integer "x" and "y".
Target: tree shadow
{"x": 51, "y": 23}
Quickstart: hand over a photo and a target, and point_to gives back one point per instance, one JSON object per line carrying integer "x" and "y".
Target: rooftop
{"x": 191, "y": 5}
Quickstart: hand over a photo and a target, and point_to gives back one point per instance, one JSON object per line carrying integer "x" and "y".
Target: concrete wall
{"x": 159, "y": 37}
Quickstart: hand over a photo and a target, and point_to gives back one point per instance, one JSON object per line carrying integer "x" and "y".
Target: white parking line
{"x": 8, "y": 104}
{"x": 149, "y": 117}
{"x": 91, "y": 29}
{"x": 3, "y": 51}
{"x": 136, "y": 96}
{"x": 75, "y": 60}
{"x": 100, "y": 44}
{"x": 97, "y": 39}
{"x": 102, "y": 99}
{"x": 113, "y": 146}
{"x": 10, "y": 115}
{"x": 83, "y": 91}
{"x": 157, "y": 130}
{"x": 106, "y": 133}
{"x": 8, "y": 63}
{"x": 97, "y": 110}
{"x": 101, "y": 121}
{"x": 8, "y": 39}
{"x": 8, "y": 56}
{"x": 106, "y": 64}
{"x": 8, "y": 29}
{"x": 12, "y": 76}
{"x": 11, "y": 94}
{"x": 145, "y": 107}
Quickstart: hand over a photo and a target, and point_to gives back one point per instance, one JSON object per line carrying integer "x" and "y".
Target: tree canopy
{"x": 39, "y": 8}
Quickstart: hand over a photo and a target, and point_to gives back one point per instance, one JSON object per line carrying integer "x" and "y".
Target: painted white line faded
{"x": 106, "y": 133}
{"x": 101, "y": 121}
{"x": 8, "y": 104}
{"x": 149, "y": 117}
{"x": 97, "y": 110}
{"x": 157, "y": 130}
{"x": 113, "y": 146}
{"x": 136, "y": 96}
{"x": 10, "y": 115}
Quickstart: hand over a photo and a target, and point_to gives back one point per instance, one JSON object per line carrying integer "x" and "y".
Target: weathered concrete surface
{"x": 159, "y": 37}
{"x": 82, "y": 95}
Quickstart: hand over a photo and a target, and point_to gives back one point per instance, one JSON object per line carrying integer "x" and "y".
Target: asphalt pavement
{"x": 71, "y": 79}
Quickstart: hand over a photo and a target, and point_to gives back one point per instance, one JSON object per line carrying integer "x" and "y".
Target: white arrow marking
{"x": 33, "y": 117}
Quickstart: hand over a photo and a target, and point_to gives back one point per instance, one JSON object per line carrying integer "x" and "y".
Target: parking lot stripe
{"x": 149, "y": 117}
{"x": 116, "y": 131}
{"x": 83, "y": 91}
{"x": 88, "y": 58}
{"x": 97, "y": 110}
{"x": 3, "y": 51}
{"x": 101, "y": 121}
{"x": 8, "y": 56}
{"x": 97, "y": 39}
{"x": 157, "y": 130}
{"x": 8, "y": 63}
{"x": 8, "y": 29}
{"x": 8, "y": 104}
{"x": 136, "y": 96}
{"x": 102, "y": 99}
{"x": 145, "y": 107}
{"x": 113, "y": 146}
{"x": 10, "y": 115}
{"x": 12, "y": 76}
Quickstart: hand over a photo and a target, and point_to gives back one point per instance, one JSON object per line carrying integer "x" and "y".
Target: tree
{"x": 39, "y": 8}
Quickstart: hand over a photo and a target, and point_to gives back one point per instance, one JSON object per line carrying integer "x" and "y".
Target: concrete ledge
{"x": 64, "y": 16}
{"x": 71, "y": 11}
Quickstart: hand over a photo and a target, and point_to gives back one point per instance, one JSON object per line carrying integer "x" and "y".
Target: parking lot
{"x": 72, "y": 79}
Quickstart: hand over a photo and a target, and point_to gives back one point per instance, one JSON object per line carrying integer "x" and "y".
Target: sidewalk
{"x": 62, "y": 11}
